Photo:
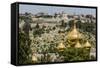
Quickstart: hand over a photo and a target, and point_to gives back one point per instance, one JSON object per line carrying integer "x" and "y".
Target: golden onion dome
{"x": 61, "y": 46}
{"x": 87, "y": 45}
{"x": 78, "y": 45}
{"x": 34, "y": 58}
{"x": 74, "y": 34}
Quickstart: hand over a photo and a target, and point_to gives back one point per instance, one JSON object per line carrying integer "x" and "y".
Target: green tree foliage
{"x": 71, "y": 23}
{"x": 37, "y": 26}
{"x": 63, "y": 24}
{"x": 76, "y": 54}
{"x": 38, "y": 31}
{"x": 86, "y": 27}
{"x": 24, "y": 49}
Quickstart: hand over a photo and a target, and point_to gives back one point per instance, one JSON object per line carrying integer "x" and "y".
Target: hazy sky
{"x": 52, "y": 9}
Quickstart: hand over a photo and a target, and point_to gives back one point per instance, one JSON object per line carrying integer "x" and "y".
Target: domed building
{"x": 61, "y": 46}
{"x": 78, "y": 45}
{"x": 74, "y": 33}
{"x": 74, "y": 36}
{"x": 87, "y": 45}
{"x": 34, "y": 58}
{"x": 73, "y": 39}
